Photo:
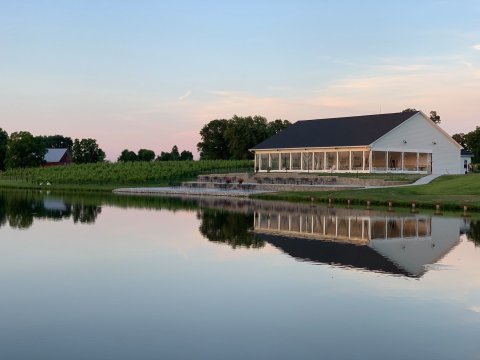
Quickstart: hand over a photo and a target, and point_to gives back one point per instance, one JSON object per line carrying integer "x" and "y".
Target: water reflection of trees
{"x": 234, "y": 229}
{"x": 20, "y": 208}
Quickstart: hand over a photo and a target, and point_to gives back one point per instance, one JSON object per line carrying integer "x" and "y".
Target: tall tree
{"x": 186, "y": 156}
{"x": 145, "y": 155}
{"x": 214, "y": 145}
{"x": 243, "y": 133}
{"x": 3, "y": 148}
{"x": 277, "y": 126}
{"x": 57, "y": 142}
{"x": 24, "y": 150}
{"x": 231, "y": 139}
{"x": 175, "y": 155}
{"x": 127, "y": 155}
{"x": 434, "y": 117}
{"x": 471, "y": 142}
{"x": 87, "y": 151}
{"x": 461, "y": 139}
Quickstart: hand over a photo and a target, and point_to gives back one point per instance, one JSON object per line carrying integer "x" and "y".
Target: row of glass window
{"x": 345, "y": 227}
{"x": 344, "y": 160}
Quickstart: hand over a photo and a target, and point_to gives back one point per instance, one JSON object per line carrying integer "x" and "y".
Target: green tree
{"x": 57, "y": 142}
{"x": 434, "y": 117}
{"x": 24, "y": 150}
{"x": 164, "y": 156}
{"x": 127, "y": 155}
{"x": 472, "y": 140}
{"x": 3, "y": 148}
{"x": 409, "y": 110}
{"x": 87, "y": 151}
{"x": 277, "y": 126}
{"x": 461, "y": 139}
{"x": 186, "y": 156}
{"x": 145, "y": 155}
{"x": 232, "y": 139}
{"x": 214, "y": 145}
{"x": 174, "y": 153}
{"x": 243, "y": 133}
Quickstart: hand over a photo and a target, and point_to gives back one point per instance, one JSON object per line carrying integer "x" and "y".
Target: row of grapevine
{"x": 124, "y": 172}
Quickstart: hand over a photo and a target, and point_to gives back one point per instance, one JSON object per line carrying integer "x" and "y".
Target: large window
{"x": 274, "y": 161}
{"x": 307, "y": 159}
{"x": 357, "y": 160}
{"x": 344, "y": 160}
{"x": 409, "y": 161}
{"x": 285, "y": 161}
{"x": 318, "y": 161}
{"x": 264, "y": 162}
{"x": 331, "y": 161}
{"x": 423, "y": 161}
{"x": 395, "y": 160}
{"x": 296, "y": 161}
{"x": 379, "y": 160}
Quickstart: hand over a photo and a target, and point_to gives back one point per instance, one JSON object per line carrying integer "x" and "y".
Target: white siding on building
{"x": 419, "y": 134}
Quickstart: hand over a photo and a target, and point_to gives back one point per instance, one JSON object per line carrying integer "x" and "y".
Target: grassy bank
{"x": 450, "y": 191}
{"x": 107, "y": 176}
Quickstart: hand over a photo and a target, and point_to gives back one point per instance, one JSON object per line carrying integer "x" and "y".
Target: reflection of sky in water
{"x": 145, "y": 284}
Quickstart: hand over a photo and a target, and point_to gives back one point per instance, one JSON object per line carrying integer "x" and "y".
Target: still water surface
{"x": 109, "y": 277}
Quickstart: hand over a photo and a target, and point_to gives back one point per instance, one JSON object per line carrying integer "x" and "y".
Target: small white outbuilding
{"x": 405, "y": 142}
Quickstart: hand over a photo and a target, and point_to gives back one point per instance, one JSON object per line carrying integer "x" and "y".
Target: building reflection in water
{"x": 384, "y": 242}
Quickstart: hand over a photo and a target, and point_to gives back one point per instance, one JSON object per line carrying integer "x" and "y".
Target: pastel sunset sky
{"x": 149, "y": 74}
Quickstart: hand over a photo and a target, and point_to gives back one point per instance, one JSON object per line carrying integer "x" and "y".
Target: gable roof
{"x": 54, "y": 155}
{"x": 330, "y": 132}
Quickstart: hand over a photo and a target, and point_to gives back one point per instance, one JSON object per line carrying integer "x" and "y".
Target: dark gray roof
{"x": 464, "y": 152}
{"x": 343, "y": 131}
{"x": 54, "y": 155}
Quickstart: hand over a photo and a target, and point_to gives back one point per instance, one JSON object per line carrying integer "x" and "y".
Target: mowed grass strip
{"x": 449, "y": 191}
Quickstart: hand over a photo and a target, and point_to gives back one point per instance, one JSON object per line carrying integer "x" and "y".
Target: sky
{"x": 150, "y": 74}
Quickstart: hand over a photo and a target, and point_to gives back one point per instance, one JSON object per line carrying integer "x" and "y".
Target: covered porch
{"x": 343, "y": 160}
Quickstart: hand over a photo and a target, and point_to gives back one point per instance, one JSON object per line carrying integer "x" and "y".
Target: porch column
{"x": 255, "y": 162}
{"x": 324, "y": 161}
{"x": 402, "y": 161}
{"x": 387, "y": 167}
{"x": 417, "y": 160}
{"x": 336, "y": 166}
{"x": 350, "y": 160}
{"x": 363, "y": 160}
{"x": 301, "y": 161}
{"x": 290, "y": 161}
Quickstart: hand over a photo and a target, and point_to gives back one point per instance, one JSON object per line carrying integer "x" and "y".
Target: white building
{"x": 406, "y": 142}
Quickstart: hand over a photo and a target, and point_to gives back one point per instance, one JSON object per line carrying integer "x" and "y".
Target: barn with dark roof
{"x": 405, "y": 142}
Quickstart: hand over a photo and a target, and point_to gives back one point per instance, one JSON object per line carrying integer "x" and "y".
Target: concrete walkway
{"x": 422, "y": 181}
{"x": 426, "y": 179}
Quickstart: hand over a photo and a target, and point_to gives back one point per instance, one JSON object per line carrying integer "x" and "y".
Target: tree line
{"x": 22, "y": 149}
{"x": 149, "y": 155}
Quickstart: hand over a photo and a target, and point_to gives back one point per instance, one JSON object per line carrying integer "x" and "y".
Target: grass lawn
{"x": 450, "y": 191}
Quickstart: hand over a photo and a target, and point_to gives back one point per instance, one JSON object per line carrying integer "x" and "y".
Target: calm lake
{"x": 112, "y": 277}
